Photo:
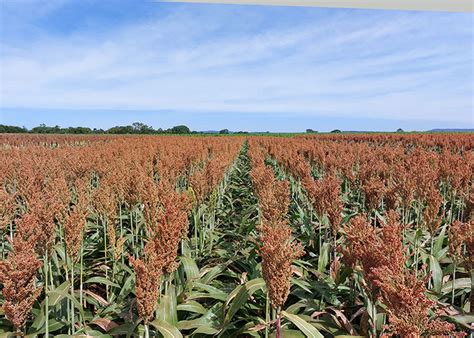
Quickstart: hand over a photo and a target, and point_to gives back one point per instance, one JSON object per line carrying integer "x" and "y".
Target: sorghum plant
{"x": 18, "y": 275}
{"x": 382, "y": 258}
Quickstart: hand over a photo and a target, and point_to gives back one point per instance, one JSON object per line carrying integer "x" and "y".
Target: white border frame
{"x": 418, "y": 5}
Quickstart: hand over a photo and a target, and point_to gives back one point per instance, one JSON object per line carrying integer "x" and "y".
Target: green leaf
{"x": 204, "y": 329}
{"x": 204, "y": 320}
{"x": 57, "y": 294}
{"x": 95, "y": 333}
{"x": 305, "y": 327}
{"x": 193, "y": 324}
{"x": 418, "y": 234}
{"x": 255, "y": 284}
{"x": 126, "y": 329}
{"x": 166, "y": 329}
{"x": 323, "y": 257}
{"x": 464, "y": 320}
{"x": 437, "y": 273}
{"x": 167, "y": 311}
{"x": 239, "y": 296}
{"x": 301, "y": 283}
{"x": 192, "y": 306}
{"x": 207, "y": 275}
{"x": 190, "y": 268}
{"x": 461, "y": 283}
{"x": 127, "y": 287}
{"x": 211, "y": 291}
{"x": 295, "y": 307}
{"x": 54, "y": 325}
{"x": 101, "y": 280}
{"x": 439, "y": 241}
{"x": 287, "y": 333}
{"x": 39, "y": 320}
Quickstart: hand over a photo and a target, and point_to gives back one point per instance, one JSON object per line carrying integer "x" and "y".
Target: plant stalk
{"x": 46, "y": 296}
{"x": 278, "y": 325}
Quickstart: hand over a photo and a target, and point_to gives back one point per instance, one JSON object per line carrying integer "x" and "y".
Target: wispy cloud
{"x": 388, "y": 65}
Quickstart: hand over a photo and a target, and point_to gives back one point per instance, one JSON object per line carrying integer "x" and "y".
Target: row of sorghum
{"x": 277, "y": 248}
{"x": 50, "y": 187}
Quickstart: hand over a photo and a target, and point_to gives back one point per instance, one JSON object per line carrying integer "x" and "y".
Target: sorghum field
{"x": 172, "y": 236}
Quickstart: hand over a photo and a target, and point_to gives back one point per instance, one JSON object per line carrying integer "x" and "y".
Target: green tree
{"x": 78, "y": 130}
{"x": 181, "y": 129}
{"x": 141, "y": 128}
{"x": 12, "y": 129}
{"x": 44, "y": 129}
{"x": 120, "y": 130}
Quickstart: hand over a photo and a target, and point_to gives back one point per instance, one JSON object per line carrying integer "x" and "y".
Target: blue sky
{"x": 104, "y": 63}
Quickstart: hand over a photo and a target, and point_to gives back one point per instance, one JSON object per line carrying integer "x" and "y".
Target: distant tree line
{"x": 141, "y": 128}
{"x": 12, "y": 129}
{"x": 135, "y": 128}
